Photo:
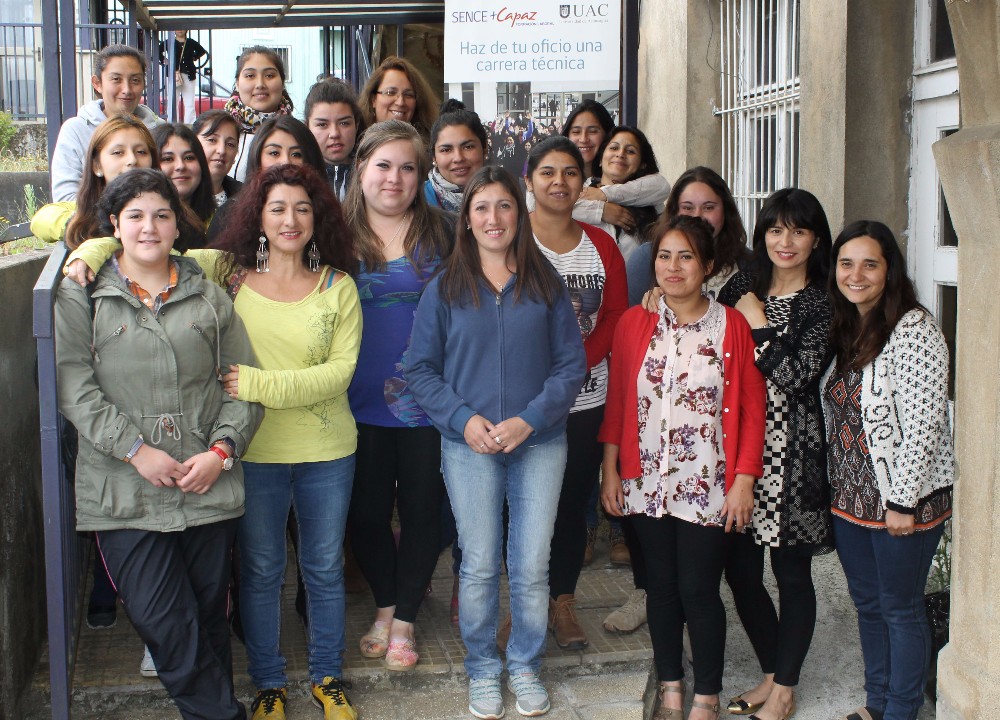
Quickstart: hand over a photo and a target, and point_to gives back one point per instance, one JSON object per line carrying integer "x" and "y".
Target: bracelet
{"x": 220, "y": 452}
{"x": 135, "y": 448}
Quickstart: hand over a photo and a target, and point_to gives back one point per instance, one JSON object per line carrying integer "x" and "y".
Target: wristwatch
{"x": 135, "y": 448}
{"x": 227, "y": 462}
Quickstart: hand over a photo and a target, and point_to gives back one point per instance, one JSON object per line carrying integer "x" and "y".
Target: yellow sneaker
{"x": 269, "y": 704}
{"x": 330, "y": 696}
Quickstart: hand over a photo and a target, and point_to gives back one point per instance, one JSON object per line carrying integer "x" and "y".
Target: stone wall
{"x": 22, "y": 553}
{"x": 12, "y": 201}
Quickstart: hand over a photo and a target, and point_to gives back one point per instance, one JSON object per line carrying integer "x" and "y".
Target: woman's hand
{"x": 612, "y": 496}
{"x": 202, "y": 470}
{"x": 738, "y": 508}
{"x": 478, "y": 437}
{"x": 753, "y": 310}
{"x": 231, "y": 382}
{"x": 593, "y": 193}
{"x": 78, "y": 272}
{"x": 899, "y": 524}
{"x": 157, "y": 467}
{"x": 651, "y": 300}
{"x": 620, "y": 217}
{"x": 510, "y": 433}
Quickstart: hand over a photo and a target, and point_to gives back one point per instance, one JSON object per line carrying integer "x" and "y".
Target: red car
{"x": 211, "y": 96}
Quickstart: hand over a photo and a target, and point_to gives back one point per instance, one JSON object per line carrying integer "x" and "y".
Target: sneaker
{"x": 146, "y": 667}
{"x": 619, "y": 550}
{"x": 630, "y": 616}
{"x": 100, "y": 617}
{"x": 269, "y": 704}
{"x": 485, "y": 700}
{"x": 330, "y": 696}
{"x": 532, "y": 699}
{"x": 588, "y": 552}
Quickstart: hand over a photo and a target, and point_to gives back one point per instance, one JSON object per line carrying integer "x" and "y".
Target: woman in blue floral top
{"x": 684, "y": 435}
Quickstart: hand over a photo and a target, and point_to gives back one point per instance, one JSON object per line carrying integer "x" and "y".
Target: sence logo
{"x": 583, "y": 11}
{"x": 514, "y": 16}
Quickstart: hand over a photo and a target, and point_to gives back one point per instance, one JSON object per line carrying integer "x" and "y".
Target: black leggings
{"x": 400, "y": 466}
{"x": 583, "y": 466}
{"x": 781, "y": 644}
{"x": 684, "y": 564}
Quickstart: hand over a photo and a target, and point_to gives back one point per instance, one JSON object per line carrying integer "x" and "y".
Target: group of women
{"x": 443, "y": 337}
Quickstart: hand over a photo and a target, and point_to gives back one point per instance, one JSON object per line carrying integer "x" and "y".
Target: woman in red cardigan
{"x": 683, "y": 438}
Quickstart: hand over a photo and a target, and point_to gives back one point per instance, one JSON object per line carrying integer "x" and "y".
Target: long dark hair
{"x": 857, "y": 339}
{"x": 699, "y": 236}
{"x": 556, "y": 143}
{"x": 594, "y": 108}
{"x": 647, "y": 158}
{"x": 312, "y": 155}
{"x": 454, "y": 113}
{"x": 792, "y": 208}
{"x": 271, "y": 55}
{"x": 463, "y": 271}
{"x": 731, "y": 242}
{"x": 240, "y": 238}
{"x": 202, "y": 198}
{"x": 133, "y": 183}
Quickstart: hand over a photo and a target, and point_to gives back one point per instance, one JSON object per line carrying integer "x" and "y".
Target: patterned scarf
{"x": 448, "y": 194}
{"x": 249, "y": 119}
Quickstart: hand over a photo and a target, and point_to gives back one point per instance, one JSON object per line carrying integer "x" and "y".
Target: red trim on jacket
{"x": 614, "y": 299}
{"x": 744, "y": 396}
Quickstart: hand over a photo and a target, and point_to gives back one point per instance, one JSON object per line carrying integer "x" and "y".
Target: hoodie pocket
{"x": 122, "y": 497}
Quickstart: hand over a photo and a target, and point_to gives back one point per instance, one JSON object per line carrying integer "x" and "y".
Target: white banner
{"x": 532, "y": 40}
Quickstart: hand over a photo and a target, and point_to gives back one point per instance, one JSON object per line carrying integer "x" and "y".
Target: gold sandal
{"x": 711, "y": 707}
{"x": 665, "y": 713}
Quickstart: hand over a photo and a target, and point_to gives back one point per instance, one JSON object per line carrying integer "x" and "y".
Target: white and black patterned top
{"x": 792, "y": 499}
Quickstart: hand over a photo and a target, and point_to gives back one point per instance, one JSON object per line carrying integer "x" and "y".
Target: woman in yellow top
{"x": 277, "y": 257}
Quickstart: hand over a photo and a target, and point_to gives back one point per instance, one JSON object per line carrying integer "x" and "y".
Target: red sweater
{"x": 744, "y": 396}
{"x": 614, "y": 298}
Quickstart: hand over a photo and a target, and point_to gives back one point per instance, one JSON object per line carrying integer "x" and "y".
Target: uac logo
{"x": 564, "y": 11}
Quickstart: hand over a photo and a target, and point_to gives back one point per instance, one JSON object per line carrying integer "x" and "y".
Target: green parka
{"x": 123, "y": 371}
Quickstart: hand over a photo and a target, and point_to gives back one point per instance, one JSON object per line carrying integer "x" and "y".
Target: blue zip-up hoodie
{"x": 500, "y": 360}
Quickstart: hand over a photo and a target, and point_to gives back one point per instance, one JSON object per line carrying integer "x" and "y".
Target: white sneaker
{"x": 146, "y": 667}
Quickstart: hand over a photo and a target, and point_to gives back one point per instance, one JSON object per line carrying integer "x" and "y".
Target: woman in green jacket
{"x": 139, "y": 377}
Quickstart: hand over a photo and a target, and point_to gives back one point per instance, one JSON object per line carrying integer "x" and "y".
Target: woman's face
{"x": 493, "y": 219}
{"x": 861, "y": 272}
{"x": 179, "y": 163}
{"x": 458, "y": 154}
{"x": 147, "y": 228}
{"x": 587, "y": 134}
{"x": 390, "y": 178}
{"x": 120, "y": 86}
{"x": 789, "y": 248}
{"x": 679, "y": 272}
{"x": 699, "y": 200}
{"x": 259, "y": 83}
{"x": 287, "y": 218}
{"x": 622, "y": 158}
{"x": 395, "y": 98}
{"x": 556, "y": 182}
{"x": 334, "y": 127}
{"x": 281, "y": 148}
{"x": 220, "y": 150}
{"x": 124, "y": 149}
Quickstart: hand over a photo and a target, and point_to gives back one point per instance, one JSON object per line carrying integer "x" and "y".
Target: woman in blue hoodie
{"x": 496, "y": 362}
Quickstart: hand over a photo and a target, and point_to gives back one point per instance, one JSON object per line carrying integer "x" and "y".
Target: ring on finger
{"x": 499, "y": 441}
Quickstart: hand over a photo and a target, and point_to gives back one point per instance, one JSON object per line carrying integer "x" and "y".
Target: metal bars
{"x": 760, "y": 92}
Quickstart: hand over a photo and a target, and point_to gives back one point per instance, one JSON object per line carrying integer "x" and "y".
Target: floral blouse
{"x": 680, "y": 421}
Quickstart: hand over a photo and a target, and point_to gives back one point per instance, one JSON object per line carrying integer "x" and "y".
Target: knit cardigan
{"x": 792, "y": 358}
{"x": 904, "y": 411}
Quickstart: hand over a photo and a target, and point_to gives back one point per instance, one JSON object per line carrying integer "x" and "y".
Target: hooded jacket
{"x": 66, "y": 169}
{"x": 123, "y": 371}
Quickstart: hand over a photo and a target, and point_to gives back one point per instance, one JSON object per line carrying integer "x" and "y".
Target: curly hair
{"x": 202, "y": 199}
{"x": 647, "y": 158}
{"x": 241, "y": 236}
{"x": 426, "y": 111}
{"x": 133, "y": 183}
{"x": 86, "y": 223}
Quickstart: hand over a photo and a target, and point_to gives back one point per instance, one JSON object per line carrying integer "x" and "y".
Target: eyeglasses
{"x": 393, "y": 93}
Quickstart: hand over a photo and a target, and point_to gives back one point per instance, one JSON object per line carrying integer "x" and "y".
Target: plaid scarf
{"x": 249, "y": 119}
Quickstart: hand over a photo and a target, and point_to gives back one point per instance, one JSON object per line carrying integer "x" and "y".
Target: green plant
{"x": 7, "y": 129}
{"x": 30, "y": 202}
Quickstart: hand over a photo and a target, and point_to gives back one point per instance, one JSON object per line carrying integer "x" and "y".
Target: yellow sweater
{"x": 307, "y": 352}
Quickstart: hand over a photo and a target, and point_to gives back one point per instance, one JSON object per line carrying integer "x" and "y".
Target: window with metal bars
{"x": 760, "y": 92}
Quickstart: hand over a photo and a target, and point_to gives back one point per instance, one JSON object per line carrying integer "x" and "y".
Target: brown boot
{"x": 564, "y": 625}
{"x": 619, "y": 550}
{"x": 588, "y": 552}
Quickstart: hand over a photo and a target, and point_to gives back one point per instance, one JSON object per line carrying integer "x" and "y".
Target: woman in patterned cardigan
{"x": 891, "y": 460}
{"x": 783, "y": 297}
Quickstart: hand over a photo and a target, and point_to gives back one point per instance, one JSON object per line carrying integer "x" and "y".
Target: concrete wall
{"x": 22, "y": 555}
{"x": 12, "y": 193}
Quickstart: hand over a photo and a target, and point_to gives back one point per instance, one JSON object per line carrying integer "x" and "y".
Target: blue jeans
{"x": 530, "y": 478}
{"x": 321, "y": 495}
{"x": 886, "y": 577}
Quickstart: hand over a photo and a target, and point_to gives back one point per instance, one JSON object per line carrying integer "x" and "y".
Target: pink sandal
{"x": 375, "y": 642}
{"x": 402, "y": 655}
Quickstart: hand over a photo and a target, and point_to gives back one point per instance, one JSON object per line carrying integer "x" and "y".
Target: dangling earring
{"x": 313, "y": 256}
{"x": 263, "y": 254}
